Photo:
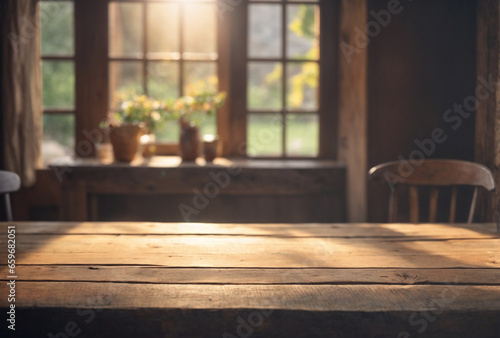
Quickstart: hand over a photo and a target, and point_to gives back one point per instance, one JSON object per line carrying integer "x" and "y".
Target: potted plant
{"x": 192, "y": 111}
{"x": 132, "y": 119}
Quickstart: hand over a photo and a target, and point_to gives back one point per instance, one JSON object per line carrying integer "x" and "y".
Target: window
{"x": 283, "y": 79}
{"x": 155, "y": 49}
{"x": 58, "y": 76}
{"x": 275, "y": 58}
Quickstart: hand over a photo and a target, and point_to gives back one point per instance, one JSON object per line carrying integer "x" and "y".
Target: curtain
{"x": 21, "y": 102}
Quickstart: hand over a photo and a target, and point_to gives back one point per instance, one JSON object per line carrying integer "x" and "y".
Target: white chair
{"x": 9, "y": 182}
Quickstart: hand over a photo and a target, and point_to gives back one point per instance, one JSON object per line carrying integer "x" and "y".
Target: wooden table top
{"x": 259, "y": 280}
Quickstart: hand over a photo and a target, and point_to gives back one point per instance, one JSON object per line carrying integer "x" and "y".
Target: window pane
{"x": 163, "y": 31}
{"x": 125, "y": 80}
{"x": 265, "y": 85}
{"x": 56, "y": 19}
{"x": 199, "y": 28}
{"x": 125, "y": 29}
{"x": 303, "y": 32}
{"x": 302, "y": 85}
{"x": 58, "y": 136}
{"x": 200, "y": 77}
{"x": 163, "y": 80}
{"x": 265, "y": 31}
{"x": 209, "y": 126}
{"x": 169, "y": 133}
{"x": 302, "y": 135}
{"x": 58, "y": 84}
{"x": 264, "y": 135}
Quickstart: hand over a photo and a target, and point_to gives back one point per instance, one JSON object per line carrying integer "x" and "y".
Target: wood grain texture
{"x": 329, "y": 79}
{"x": 347, "y": 230}
{"x": 91, "y": 72}
{"x": 487, "y": 126}
{"x": 297, "y": 280}
{"x": 237, "y": 190}
{"x": 295, "y": 310}
{"x": 435, "y": 173}
{"x": 353, "y": 108}
{"x": 252, "y": 276}
{"x": 298, "y": 297}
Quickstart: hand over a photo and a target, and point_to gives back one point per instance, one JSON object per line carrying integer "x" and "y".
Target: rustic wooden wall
{"x": 420, "y": 65}
{"x": 488, "y": 111}
{"x": 417, "y": 67}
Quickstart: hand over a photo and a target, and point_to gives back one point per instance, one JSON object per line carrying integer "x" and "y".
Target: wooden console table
{"x": 165, "y": 189}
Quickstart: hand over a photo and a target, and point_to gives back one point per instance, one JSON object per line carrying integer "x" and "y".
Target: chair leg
{"x": 393, "y": 207}
{"x": 8, "y": 209}
{"x": 472, "y": 206}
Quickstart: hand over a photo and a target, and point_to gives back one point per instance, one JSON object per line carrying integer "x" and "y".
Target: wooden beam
{"x": 91, "y": 72}
{"x": 329, "y": 79}
{"x": 232, "y": 119}
{"x": 487, "y": 112}
{"x": 353, "y": 108}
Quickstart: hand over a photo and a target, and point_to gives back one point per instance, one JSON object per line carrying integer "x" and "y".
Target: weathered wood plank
{"x": 255, "y": 251}
{"x": 351, "y": 230}
{"x": 259, "y": 245}
{"x": 249, "y": 260}
{"x": 155, "y": 275}
{"x": 289, "y": 297}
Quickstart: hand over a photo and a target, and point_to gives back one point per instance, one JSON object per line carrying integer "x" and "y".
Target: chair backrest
{"x": 9, "y": 182}
{"x": 433, "y": 173}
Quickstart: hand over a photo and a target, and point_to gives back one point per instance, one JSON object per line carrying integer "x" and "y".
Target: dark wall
{"x": 3, "y": 10}
{"x": 419, "y": 66}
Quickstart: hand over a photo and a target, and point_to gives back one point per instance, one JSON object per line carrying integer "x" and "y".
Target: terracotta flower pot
{"x": 210, "y": 147}
{"x": 189, "y": 142}
{"x": 125, "y": 140}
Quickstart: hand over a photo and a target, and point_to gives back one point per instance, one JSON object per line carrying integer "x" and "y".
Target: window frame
{"x": 63, "y": 58}
{"x": 92, "y": 81}
{"x": 284, "y": 61}
{"x": 236, "y": 29}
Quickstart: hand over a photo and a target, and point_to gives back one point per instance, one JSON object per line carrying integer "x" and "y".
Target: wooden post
{"x": 488, "y": 113}
{"x": 353, "y": 108}
{"x": 232, "y": 75}
{"x": 91, "y": 71}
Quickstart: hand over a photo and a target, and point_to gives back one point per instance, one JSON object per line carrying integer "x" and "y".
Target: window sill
{"x": 220, "y": 162}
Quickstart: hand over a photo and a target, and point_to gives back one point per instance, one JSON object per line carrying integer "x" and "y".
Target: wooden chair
{"x": 435, "y": 174}
{"x": 9, "y": 182}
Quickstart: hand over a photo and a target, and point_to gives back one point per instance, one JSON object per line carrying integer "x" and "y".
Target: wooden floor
{"x": 253, "y": 280}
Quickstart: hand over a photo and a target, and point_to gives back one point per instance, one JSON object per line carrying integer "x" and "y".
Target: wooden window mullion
{"x": 145, "y": 48}
{"x": 284, "y": 86}
{"x": 91, "y": 71}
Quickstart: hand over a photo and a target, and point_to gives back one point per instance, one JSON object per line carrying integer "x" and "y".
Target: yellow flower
{"x": 179, "y": 105}
{"x": 189, "y": 100}
{"x": 141, "y": 99}
{"x": 155, "y": 116}
{"x": 127, "y": 105}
